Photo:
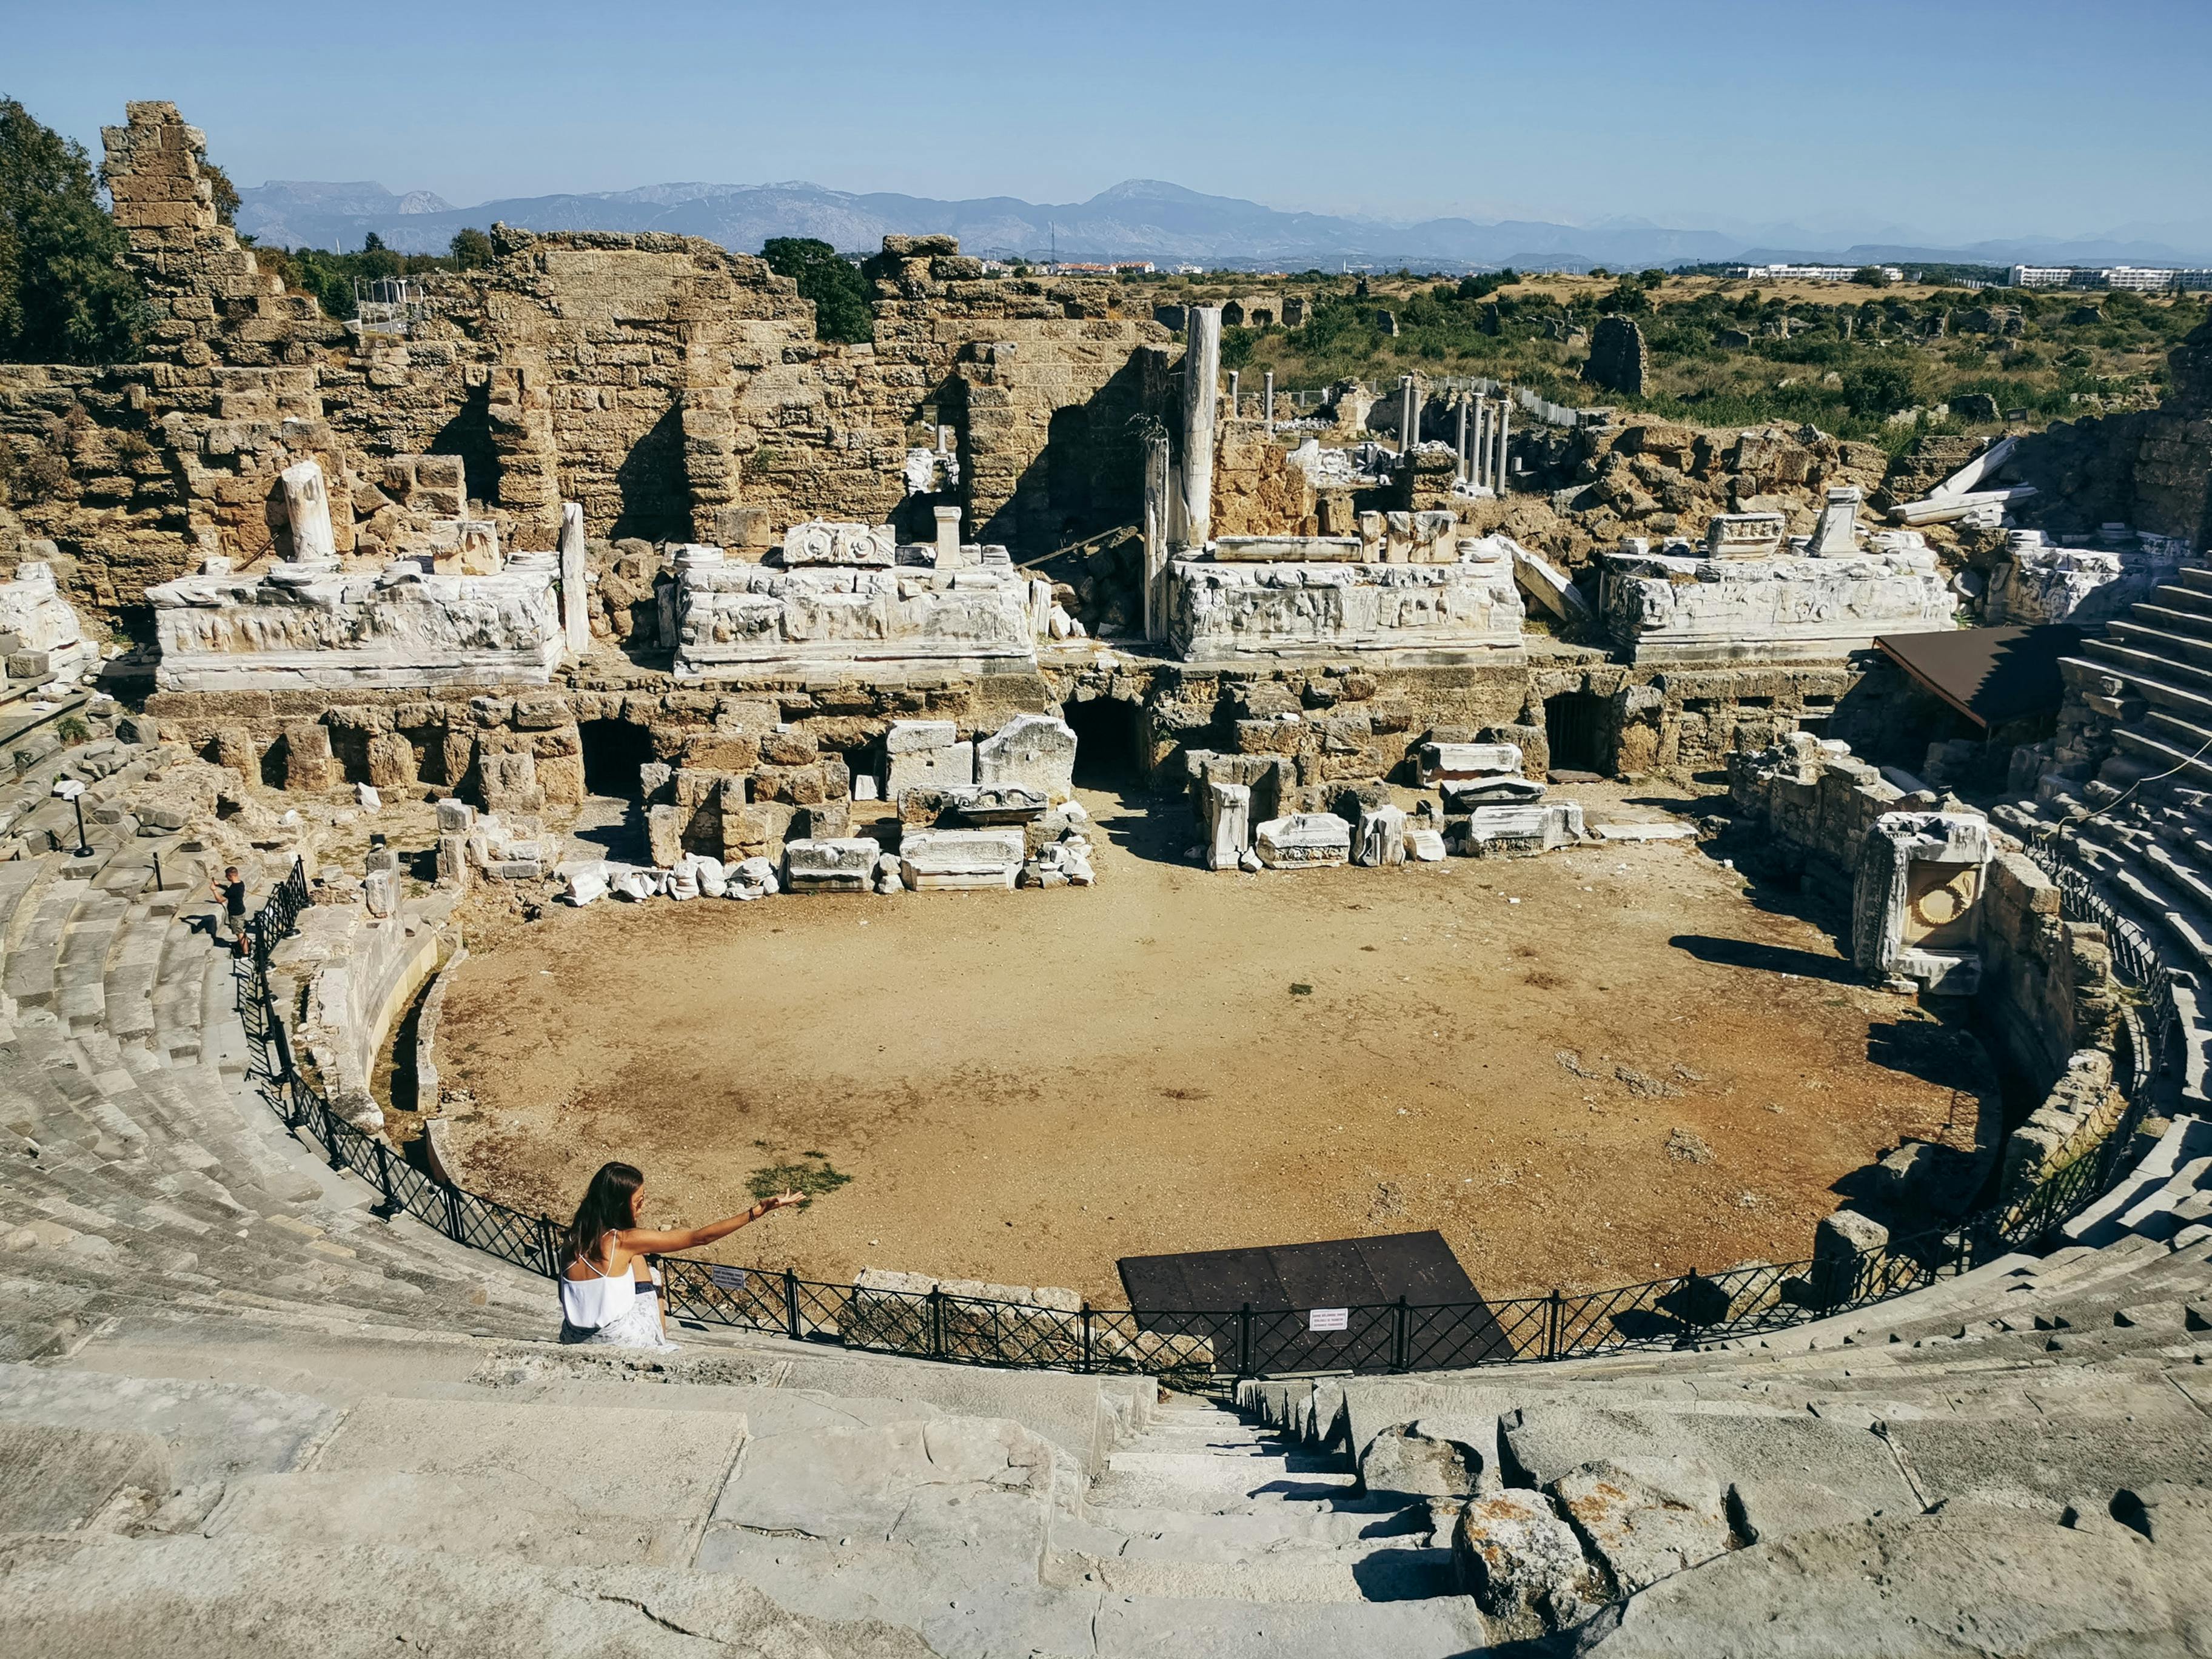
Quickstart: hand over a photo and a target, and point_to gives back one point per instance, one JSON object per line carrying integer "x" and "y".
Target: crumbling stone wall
{"x": 1619, "y": 360}
{"x": 676, "y": 389}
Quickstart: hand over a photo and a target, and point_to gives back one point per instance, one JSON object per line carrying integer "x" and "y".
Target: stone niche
{"x": 298, "y": 628}
{"x": 845, "y": 594}
{"x": 1317, "y": 602}
{"x": 1683, "y": 606}
{"x": 1914, "y": 904}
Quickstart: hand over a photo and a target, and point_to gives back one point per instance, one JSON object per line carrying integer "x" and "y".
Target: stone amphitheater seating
{"x": 241, "y": 1413}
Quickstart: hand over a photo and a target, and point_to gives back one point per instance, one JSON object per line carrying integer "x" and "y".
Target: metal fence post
{"x": 1552, "y": 1323}
{"x": 384, "y": 1177}
{"x": 1244, "y": 1341}
{"x": 1086, "y": 1335}
{"x": 549, "y": 1246}
{"x": 936, "y": 1323}
{"x": 791, "y": 1303}
{"x": 1399, "y": 1361}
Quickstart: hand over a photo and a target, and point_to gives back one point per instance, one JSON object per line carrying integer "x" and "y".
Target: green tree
{"x": 66, "y": 295}
{"x": 1881, "y": 388}
{"x": 839, "y": 293}
{"x": 225, "y": 192}
{"x": 470, "y": 249}
{"x": 1871, "y": 276}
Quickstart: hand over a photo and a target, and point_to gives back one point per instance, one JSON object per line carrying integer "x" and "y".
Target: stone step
{"x": 2159, "y": 642}
{"x": 29, "y": 974}
{"x": 2118, "y": 657}
{"x": 2103, "y": 1223}
{"x": 2179, "y": 624}
{"x": 1190, "y": 1568}
{"x": 2182, "y": 596}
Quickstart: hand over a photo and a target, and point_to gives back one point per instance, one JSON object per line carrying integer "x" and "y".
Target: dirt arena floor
{"x": 1585, "y": 1069}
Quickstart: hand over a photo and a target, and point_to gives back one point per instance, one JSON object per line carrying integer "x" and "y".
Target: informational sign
{"x": 727, "y": 1278}
{"x": 1327, "y": 1319}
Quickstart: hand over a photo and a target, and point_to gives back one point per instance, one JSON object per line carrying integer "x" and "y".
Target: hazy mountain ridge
{"x": 1136, "y": 219}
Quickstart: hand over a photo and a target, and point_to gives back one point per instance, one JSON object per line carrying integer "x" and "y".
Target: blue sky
{"x": 1951, "y": 119}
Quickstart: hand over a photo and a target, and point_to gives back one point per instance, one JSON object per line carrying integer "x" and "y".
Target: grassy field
{"x": 1724, "y": 352}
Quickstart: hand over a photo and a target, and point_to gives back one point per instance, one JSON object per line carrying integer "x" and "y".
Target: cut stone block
{"x": 1035, "y": 752}
{"x": 1441, "y": 761}
{"x": 1304, "y": 838}
{"x": 941, "y": 860}
{"x": 845, "y": 865}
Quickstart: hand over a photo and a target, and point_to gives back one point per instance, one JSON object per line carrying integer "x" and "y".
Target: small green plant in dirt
{"x": 71, "y": 729}
{"x": 812, "y": 1174}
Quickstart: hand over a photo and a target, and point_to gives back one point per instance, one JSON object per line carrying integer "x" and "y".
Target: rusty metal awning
{"x": 1993, "y": 675}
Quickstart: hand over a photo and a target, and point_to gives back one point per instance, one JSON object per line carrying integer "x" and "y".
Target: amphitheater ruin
{"x": 1705, "y": 1105}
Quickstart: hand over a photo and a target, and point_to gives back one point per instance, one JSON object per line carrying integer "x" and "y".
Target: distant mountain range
{"x": 1138, "y": 219}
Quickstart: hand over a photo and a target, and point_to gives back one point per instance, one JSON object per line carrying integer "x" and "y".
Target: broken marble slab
{"x": 953, "y": 861}
{"x": 1466, "y": 794}
{"x": 843, "y": 864}
{"x": 1304, "y": 838}
{"x": 1035, "y": 752}
{"x": 1537, "y": 827}
{"x": 994, "y": 803}
{"x": 1381, "y": 837}
{"x": 1424, "y": 846}
{"x": 1439, "y": 761}
{"x": 1666, "y": 831}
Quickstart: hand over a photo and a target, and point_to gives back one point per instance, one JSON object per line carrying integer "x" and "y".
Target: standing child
{"x": 231, "y": 890}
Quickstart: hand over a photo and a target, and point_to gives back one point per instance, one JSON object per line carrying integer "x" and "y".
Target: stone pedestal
{"x": 1467, "y": 611}
{"x": 1227, "y": 812}
{"x": 1914, "y": 903}
{"x": 1678, "y": 606}
{"x": 305, "y": 629}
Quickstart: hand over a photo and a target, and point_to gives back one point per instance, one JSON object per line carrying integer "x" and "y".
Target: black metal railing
{"x": 1678, "y": 1311}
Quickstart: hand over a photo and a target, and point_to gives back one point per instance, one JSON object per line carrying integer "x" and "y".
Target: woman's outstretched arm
{"x": 659, "y": 1241}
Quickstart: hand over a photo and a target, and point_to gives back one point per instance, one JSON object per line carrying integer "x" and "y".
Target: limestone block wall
{"x": 2046, "y": 983}
{"x": 676, "y": 389}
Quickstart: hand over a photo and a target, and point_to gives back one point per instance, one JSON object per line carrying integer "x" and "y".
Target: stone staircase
{"x": 241, "y": 1412}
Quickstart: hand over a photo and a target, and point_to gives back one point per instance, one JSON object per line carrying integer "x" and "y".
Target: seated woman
{"x": 610, "y": 1293}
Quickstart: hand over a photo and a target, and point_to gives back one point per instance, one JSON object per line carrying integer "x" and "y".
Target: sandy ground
{"x": 1025, "y": 1086}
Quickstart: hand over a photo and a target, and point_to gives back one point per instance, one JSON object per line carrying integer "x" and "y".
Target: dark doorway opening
{"x": 1107, "y": 745}
{"x": 613, "y": 751}
{"x": 1574, "y": 729}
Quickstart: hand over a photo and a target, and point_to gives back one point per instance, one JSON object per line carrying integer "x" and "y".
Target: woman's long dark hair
{"x": 609, "y": 1206}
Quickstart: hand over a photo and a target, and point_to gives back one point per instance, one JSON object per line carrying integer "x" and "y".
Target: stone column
{"x": 1201, "y": 375}
{"x": 1504, "y": 437}
{"x": 1408, "y": 415}
{"x": 1159, "y": 505}
{"x": 308, "y": 509}
{"x": 1234, "y": 408}
{"x": 1477, "y": 457}
{"x": 1459, "y": 442}
{"x": 1267, "y": 400}
{"x": 575, "y": 600}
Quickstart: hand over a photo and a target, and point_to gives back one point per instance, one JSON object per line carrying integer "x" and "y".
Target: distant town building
{"x": 2140, "y": 279}
{"x": 1809, "y": 273}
